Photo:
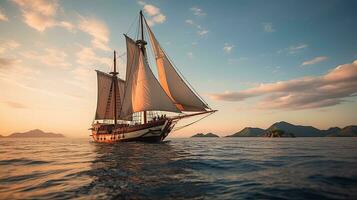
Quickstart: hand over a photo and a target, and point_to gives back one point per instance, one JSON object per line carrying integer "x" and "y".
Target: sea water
{"x": 196, "y": 168}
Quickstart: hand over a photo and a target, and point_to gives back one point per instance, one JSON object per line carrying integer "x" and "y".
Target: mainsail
{"x": 105, "y": 101}
{"x": 175, "y": 87}
{"x": 142, "y": 90}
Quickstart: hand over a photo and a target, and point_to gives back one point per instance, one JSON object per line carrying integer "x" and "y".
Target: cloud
{"x": 202, "y": 32}
{"x": 155, "y": 15}
{"x": 302, "y": 93}
{"x": 41, "y": 14}
{"x": 189, "y": 21}
{"x": 67, "y": 25}
{"x": 294, "y": 49}
{"x": 3, "y": 17}
{"x": 232, "y": 61}
{"x": 190, "y": 55}
{"x": 98, "y": 30}
{"x": 314, "y": 60}
{"x": 87, "y": 61}
{"x": 197, "y": 11}
{"x": 268, "y": 27}
{"x": 14, "y": 70}
{"x": 50, "y": 57}
{"x": 6, "y": 63}
{"x": 7, "y": 45}
{"x": 14, "y": 104}
{"x": 87, "y": 57}
{"x": 228, "y": 48}
{"x": 297, "y": 48}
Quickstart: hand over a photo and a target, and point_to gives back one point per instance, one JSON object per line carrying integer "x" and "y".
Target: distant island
{"x": 278, "y": 133}
{"x": 205, "y": 135}
{"x": 36, "y": 133}
{"x": 290, "y": 130}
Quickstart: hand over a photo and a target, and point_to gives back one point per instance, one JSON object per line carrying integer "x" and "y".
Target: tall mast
{"x": 115, "y": 82}
{"x": 142, "y": 44}
{"x": 142, "y": 25}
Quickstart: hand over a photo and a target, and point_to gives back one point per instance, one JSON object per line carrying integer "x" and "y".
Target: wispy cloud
{"x": 156, "y": 16}
{"x": 228, "y": 48}
{"x": 88, "y": 60}
{"x": 3, "y": 17}
{"x": 50, "y": 57}
{"x": 190, "y": 55}
{"x": 294, "y": 49}
{"x": 189, "y": 21}
{"x": 13, "y": 70}
{"x": 232, "y": 61}
{"x": 200, "y": 30}
{"x": 314, "y": 60}
{"x": 297, "y": 48}
{"x": 98, "y": 30}
{"x": 197, "y": 11}
{"x": 7, "y": 45}
{"x": 268, "y": 27}
{"x": 41, "y": 14}
{"x": 303, "y": 93}
{"x": 87, "y": 57}
{"x": 14, "y": 104}
{"x": 6, "y": 63}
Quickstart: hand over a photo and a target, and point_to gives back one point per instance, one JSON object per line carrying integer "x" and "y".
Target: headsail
{"x": 175, "y": 87}
{"x": 142, "y": 90}
{"x": 105, "y": 100}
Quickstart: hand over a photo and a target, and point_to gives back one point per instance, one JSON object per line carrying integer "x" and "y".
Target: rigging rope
{"x": 131, "y": 25}
{"x": 184, "y": 126}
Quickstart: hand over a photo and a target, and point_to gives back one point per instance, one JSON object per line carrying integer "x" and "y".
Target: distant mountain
{"x": 297, "y": 130}
{"x": 332, "y": 131}
{"x": 205, "y": 135}
{"x": 248, "y": 132}
{"x": 1, "y": 136}
{"x": 36, "y": 133}
{"x": 348, "y": 131}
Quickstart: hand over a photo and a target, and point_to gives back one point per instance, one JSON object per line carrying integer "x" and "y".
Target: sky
{"x": 256, "y": 62}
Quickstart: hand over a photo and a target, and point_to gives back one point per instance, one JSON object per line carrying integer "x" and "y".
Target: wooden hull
{"x": 151, "y": 132}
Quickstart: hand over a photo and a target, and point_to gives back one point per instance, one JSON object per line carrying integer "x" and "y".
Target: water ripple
{"x": 226, "y": 168}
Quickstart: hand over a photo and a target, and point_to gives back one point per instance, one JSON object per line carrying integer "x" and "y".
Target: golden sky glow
{"x": 50, "y": 49}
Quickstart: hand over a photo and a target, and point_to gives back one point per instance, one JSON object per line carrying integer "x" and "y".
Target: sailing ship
{"x": 138, "y": 108}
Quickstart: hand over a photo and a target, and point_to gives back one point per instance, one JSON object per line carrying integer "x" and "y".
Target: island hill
{"x": 36, "y": 133}
{"x": 285, "y": 129}
{"x": 205, "y": 135}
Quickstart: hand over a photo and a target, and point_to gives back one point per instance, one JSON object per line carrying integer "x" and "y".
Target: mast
{"x": 142, "y": 25}
{"x": 142, "y": 44}
{"x": 114, "y": 81}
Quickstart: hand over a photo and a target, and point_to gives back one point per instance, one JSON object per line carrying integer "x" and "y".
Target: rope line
{"x": 131, "y": 25}
{"x": 184, "y": 126}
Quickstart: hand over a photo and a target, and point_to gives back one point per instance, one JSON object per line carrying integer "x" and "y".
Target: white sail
{"x": 105, "y": 100}
{"x": 175, "y": 87}
{"x": 131, "y": 49}
{"x": 142, "y": 90}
